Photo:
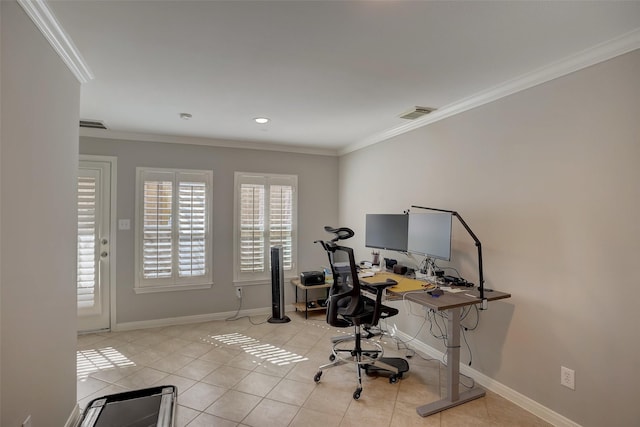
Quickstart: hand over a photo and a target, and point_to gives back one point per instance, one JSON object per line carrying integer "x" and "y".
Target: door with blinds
{"x": 94, "y": 235}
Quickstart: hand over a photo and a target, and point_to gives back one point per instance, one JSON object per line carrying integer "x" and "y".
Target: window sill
{"x": 170, "y": 288}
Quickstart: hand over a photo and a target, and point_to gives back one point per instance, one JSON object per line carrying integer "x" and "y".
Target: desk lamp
{"x": 483, "y": 305}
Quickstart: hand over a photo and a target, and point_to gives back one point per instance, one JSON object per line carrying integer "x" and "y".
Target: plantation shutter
{"x": 265, "y": 217}
{"x": 87, "y": 238}
{"x": 174, "y": 248}
{"x": 157, "y": 222}
{"x": 281, "y": 220}
{"x": 192, "y": 204}
{"x": 252, "y": 227}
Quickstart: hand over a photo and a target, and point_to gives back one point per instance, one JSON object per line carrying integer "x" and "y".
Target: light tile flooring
{"x": 251, "y": 373}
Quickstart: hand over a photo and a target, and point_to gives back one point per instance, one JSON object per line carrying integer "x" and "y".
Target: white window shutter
{"x": 157, "y": 235}
{"x": 192, "y": 230}
{"x": 265, "y": 217}
{"x": 174, "y": 244}
{"x": 252, "y": 228}
{"x": 281, "y": 220}
{"x": 87, "y": 239}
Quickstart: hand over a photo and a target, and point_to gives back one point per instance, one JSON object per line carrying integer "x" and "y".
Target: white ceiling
{"x": 332, "y": 75}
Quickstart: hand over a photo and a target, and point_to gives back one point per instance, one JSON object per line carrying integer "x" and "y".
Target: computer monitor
{"x": 387, "y": 231}
{"x": 430, "y": 235}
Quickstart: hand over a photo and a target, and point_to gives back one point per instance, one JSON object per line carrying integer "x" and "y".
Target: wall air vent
{"x": 93, "y": 124}
{"x": 417, "y": 112}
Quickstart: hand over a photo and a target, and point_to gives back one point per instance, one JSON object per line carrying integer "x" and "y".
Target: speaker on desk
{"x": 399, "y": 269}
{"x": 277, "y": 287}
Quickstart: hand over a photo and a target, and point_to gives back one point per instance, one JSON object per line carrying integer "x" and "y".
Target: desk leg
{"x": 454, "y": 397}
{"x": 306, "y": 304}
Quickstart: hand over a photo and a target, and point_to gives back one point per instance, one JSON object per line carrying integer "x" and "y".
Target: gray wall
{"x": 548, "y": 180}
{"x": 39, "y": 160}
{"x": 317, "y": 184}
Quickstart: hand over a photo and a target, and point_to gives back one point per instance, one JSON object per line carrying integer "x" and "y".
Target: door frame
{"x": 113, "y": 222}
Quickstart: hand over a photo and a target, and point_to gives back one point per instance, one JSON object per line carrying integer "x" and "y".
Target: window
{"x": 265, "y": 216}
{"x": 173, "y": 239}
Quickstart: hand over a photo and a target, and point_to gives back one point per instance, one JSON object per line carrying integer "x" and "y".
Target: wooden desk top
{"x": 449, "y": 300}
{"x": 414, "y": 290}
{"x": 405, "y": 284}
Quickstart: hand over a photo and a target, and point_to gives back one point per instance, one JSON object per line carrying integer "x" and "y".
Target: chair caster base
{"x": 356, "y": 394}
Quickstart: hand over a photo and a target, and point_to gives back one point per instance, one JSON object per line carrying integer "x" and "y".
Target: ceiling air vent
{"x": 417, "y": 112}
{"x": 93, "y": 124}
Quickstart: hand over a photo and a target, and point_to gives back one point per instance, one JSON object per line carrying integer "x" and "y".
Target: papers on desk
{"x": 452, "y": 290}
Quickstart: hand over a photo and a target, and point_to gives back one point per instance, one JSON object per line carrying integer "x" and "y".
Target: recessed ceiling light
{"x": 185, "y": 116}
{"x": 261, "y": 120}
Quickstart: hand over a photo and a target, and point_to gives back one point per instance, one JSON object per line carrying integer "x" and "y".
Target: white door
{"x": 94, "y": 234}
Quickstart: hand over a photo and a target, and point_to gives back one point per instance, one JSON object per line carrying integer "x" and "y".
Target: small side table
{"x": 304, "y": 305}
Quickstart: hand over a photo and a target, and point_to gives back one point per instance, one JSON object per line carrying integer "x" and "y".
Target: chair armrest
{"x": 380, "y": 286}
{"x": 380, "y": 310}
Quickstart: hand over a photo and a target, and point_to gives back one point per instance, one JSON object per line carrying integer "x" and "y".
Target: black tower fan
{"x": 277, "y": 287}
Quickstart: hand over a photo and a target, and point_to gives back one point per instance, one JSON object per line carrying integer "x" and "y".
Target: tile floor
{"x": 251, "y": 373}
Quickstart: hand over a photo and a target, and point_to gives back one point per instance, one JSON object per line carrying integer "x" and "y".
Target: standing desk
{"x": 413, "y": 290}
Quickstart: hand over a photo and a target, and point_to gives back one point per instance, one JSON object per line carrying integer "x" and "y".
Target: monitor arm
{"x": 478, "y": 245}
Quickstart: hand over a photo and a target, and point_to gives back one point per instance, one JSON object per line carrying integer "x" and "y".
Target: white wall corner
{"x": 46, "y": 22}
{"x": 74, "y": 418}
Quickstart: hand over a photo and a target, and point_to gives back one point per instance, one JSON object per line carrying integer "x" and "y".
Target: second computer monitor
{"x": 430, "y": 235}
{"x": 386, "y": 231}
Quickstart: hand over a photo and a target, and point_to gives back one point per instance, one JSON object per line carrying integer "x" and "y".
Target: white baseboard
{"x": 199, "y": 318}
{"x": 488, "y": 383}
{"x": 74, "y": 418}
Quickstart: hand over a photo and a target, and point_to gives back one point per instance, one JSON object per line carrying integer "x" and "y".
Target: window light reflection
{"x": 99, "y": 359}
{"x": 267, "y": 352}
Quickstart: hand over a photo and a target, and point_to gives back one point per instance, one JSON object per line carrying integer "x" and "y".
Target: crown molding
{"x": 190, "y": 140}
{"x": 45, "y": 20}
{"x": 599, "y": 53}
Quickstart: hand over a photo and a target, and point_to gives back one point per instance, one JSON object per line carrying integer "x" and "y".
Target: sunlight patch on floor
{"x": 267, "y": 352}
{"x": 98, "y": 359}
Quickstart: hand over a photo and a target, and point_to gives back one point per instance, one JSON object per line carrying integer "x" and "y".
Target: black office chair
{"x": 347, "y": 306}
